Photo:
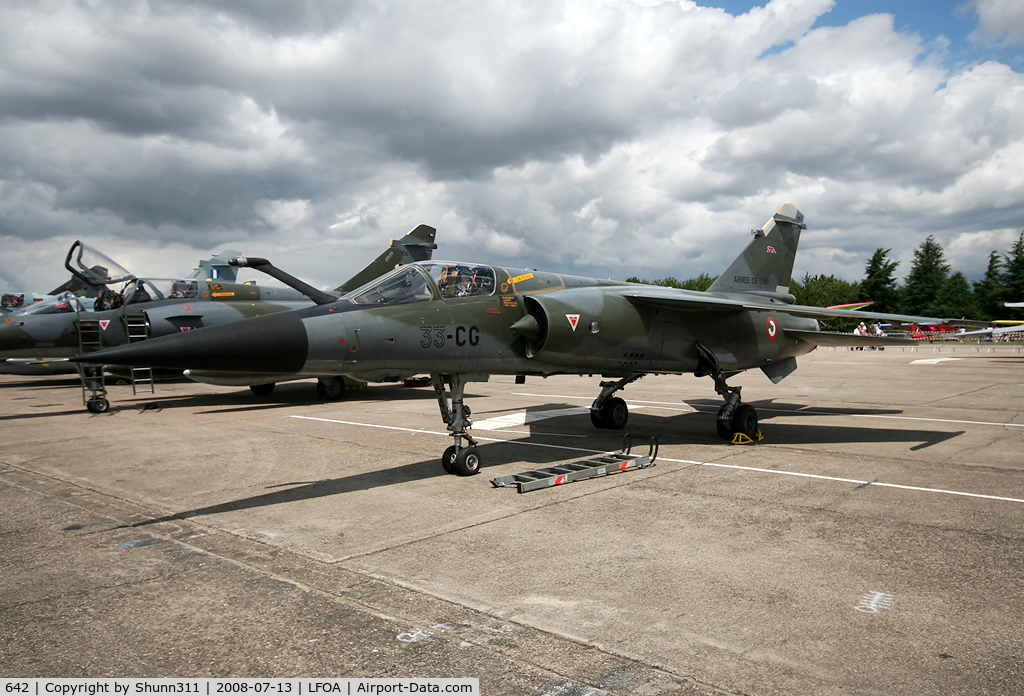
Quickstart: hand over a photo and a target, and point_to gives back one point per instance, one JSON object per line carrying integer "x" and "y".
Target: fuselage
{"x": 444, "y": 317}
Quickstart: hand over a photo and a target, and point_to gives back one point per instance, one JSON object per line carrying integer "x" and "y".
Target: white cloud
{"x": 999, "y": 21}
{"x": 615, "y": 138}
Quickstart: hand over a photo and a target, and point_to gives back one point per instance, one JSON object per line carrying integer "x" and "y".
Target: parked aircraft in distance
{"x": 39, "y": 338}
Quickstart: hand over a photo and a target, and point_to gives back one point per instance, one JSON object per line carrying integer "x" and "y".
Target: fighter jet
{"x": 36, "y": 338}
{"x": 48, "y": 329}
{"x": 461, "y": 322}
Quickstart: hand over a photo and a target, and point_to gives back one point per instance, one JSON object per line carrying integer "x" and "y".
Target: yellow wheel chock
{"x": 742, "y": 439}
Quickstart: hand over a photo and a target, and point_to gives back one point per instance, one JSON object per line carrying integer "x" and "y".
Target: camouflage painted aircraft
{"x": 460, "y": 322}
{"x": 39, "y": 337}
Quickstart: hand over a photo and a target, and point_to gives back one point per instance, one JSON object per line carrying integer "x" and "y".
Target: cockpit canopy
{"x": 418, "y": 283}
{"x": 14, "y": 300}
{"x": 93, "y": 267}
{"x": 58, "y": 304}
{"x": 143, "y": 290}
{"x": 460, "y": 279}
{"x": 403, "y": 285}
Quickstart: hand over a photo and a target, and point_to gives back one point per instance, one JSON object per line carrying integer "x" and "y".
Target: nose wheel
{"x": 463, "y": 462}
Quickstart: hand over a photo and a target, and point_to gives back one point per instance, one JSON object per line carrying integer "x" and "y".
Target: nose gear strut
{"x": 463, "y": 461}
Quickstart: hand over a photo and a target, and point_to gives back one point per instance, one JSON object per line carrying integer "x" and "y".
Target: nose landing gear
{"x": 458, "y": 460}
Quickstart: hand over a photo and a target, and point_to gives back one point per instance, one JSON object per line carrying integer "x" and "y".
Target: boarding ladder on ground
{"x": 603, "y": 465}
{"x": 94, "y": 388}
{"x": 137, "y": 327}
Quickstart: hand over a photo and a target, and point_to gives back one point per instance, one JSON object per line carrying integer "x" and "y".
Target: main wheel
{"x": 597, "y": 419}
{"x": 448, "y": 460}
{"x": 262, "y": 389}
{"x": 330, "y": 389}
{"x": 467, "y": 462}
{"x": 615, "y": 413}
{"x": 745, "y": 420}
{"x": 97, "y": 404}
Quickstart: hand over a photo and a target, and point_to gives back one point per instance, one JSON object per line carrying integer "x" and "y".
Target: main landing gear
{"x": 457, "y": 459}
{"x": 734, "y": 418}
{"x": 330, "y": 388}
{"x": 610, "y": 412}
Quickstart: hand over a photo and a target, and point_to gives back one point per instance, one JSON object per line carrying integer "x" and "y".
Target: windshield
{"x": 460, "y": 279}
{"x": 58, "y": 304}
{"x": 402, "y": 286}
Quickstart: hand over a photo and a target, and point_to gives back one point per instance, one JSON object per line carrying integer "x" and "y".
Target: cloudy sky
{"x": 609, "y": 138}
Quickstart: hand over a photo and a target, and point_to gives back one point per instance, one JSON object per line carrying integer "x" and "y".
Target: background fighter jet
{"x": 460, "y": 322}
{"x": 34, "y": 338}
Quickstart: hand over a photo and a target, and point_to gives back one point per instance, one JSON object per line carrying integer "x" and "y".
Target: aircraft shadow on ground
{"x": 546, "y": 445}
{"x": 44, "y": 382}
{"x": 495, "y": 454}
{"x": 235, "y": 399}
{"x": 232, "y": 400}
{"x": 700, "y": 425}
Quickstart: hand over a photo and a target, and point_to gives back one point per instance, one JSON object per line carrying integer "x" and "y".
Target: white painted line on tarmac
{"x": 690, "y": 409}
{"x": 861, "y": 483}
{"x": 524, "y": 417}
{"x": 754, "y": 469}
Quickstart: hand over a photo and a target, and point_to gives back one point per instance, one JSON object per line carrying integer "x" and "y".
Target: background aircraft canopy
{"x": 58, "y": 304}
{"x": 94, "y": 267}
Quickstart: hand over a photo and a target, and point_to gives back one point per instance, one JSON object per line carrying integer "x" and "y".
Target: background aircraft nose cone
{"x": 275, "y": 343}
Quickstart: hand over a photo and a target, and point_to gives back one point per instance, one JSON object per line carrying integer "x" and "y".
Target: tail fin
{"x": 766, "y": 265}
{"x": 418, "y": 245}
{"x": 217, "y": 267}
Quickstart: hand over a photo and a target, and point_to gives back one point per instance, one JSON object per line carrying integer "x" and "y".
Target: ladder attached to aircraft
{"x": 94, "y": 387}
{"x": 603, "y": 465}
{"x": 137, "y": 327}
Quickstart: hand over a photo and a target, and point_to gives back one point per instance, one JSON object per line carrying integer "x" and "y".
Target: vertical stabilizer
{"x": 766, "y": 265}
{"x": 217, "y": 267}
{"x": 418, "y": 245}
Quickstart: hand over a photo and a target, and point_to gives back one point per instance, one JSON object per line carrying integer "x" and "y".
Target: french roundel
{"x": 773, "y": 329}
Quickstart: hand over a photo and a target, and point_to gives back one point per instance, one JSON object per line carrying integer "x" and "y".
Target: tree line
{"x": 930, "y": 288}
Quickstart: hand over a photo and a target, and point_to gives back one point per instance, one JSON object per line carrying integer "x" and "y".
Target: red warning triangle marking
{"x": 104, "y": 323}
{"x": 574, "y": 319}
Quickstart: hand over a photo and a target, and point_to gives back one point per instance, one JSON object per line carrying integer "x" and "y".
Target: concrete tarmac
{"x": 870, "y": 544}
